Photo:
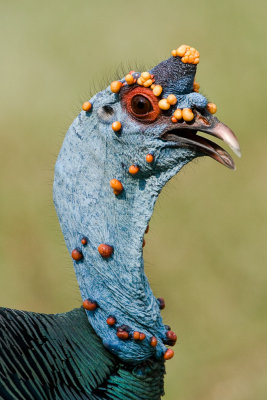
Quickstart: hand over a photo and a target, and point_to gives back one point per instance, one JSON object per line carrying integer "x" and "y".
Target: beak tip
{"x": 224, "y": 133}
{"x": 237, "y": 151}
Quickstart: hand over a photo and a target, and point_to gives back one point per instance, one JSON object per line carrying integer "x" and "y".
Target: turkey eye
{"x": 141, "y": 105}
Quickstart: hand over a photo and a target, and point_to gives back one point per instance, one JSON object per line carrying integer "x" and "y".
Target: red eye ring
{"x": 147, "y": 93}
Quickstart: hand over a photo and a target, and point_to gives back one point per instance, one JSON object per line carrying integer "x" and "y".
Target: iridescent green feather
{"x": 60, "y": 357}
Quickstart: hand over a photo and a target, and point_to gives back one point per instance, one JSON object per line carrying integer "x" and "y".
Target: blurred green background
{"x": 206, "y": 250}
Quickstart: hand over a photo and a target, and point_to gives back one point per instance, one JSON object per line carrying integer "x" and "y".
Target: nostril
{"x": 203, "y": 119}
{"x": 108, "y": 110}
{"x": 106, "y": 113}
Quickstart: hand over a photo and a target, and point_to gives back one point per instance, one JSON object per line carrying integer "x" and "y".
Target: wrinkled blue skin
{"x": 91, "y": 155}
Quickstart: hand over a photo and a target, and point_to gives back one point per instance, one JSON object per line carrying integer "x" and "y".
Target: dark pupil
{"x": 141, "y": 105}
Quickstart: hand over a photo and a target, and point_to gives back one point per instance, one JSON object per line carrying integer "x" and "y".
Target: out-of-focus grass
{"x": 206, "y": 250}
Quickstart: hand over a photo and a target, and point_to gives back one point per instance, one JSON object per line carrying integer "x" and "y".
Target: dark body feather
{"x": 60, "y": 357}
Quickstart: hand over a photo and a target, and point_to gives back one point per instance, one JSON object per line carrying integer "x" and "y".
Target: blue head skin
{"x": 91, "y": 156}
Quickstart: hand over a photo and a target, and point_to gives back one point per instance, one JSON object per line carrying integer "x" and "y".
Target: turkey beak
{"x": 216, "y": 128}
{"x": 185, "y": 134}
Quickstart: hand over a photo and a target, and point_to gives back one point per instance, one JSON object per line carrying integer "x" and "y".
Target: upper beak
{"x": 223, "y": 132}
{"x": 185, "y": 133}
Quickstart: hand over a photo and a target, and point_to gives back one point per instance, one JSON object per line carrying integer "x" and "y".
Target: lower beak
{"x": 184, "y": 134}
